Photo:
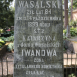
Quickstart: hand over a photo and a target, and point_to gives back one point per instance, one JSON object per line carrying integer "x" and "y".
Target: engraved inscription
{"x": 38, "y": 38}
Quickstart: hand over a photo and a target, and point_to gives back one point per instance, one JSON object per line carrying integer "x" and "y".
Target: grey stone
{"x": 68, "y": 46}
{"x": 68, "y": 35}
{"x": 38, "y": 38}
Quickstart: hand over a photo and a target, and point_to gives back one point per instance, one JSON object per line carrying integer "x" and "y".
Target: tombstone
{"x": 38, "y": 45}
{"x": 68, "y": 32}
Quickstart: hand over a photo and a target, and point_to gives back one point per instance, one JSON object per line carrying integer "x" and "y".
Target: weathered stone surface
{"x": 68, "y": 45}
{"x": 38, "y": 36}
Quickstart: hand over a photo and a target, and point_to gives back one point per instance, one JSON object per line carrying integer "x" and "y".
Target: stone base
{"x": 68, "y": 35}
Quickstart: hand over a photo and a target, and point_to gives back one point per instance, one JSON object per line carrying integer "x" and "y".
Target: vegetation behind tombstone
{"x": 73, "y": 32}
{"x": 73, "y": 23}
{"x": 2, "y": 42}
{"x": 6, "y": 14}
{"x": 74, "y": 4}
